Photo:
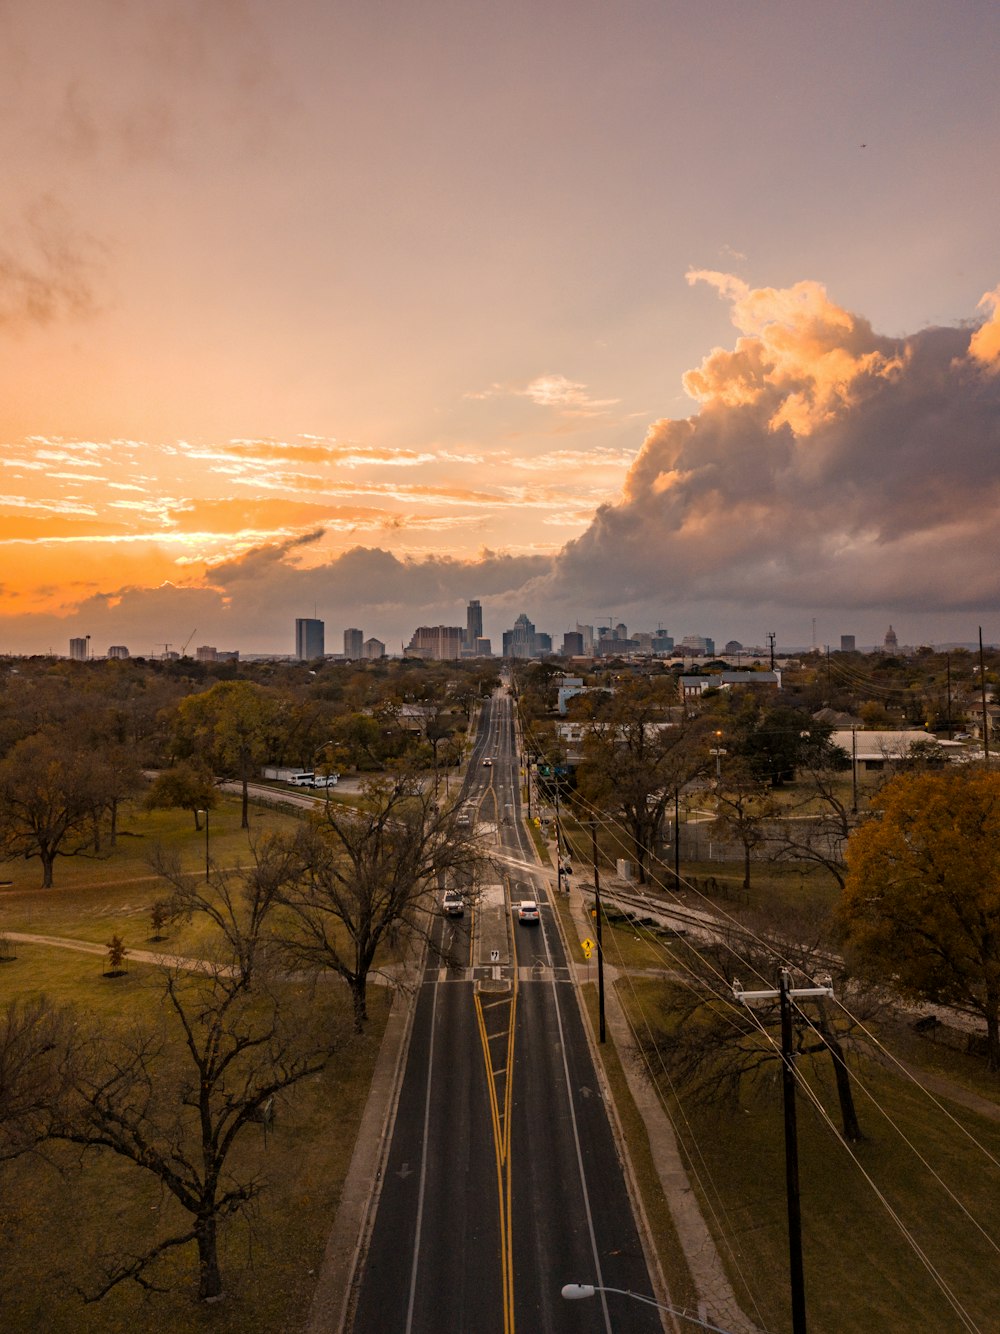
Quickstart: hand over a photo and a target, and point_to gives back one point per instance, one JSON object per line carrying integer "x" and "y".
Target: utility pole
{"x": 785, "y": 994}
{"x": 559, "y": 863}
{"x": 854, "y": 770}
{"x": 982, "y": 688}
{"x": 677, "y": 839}
{"x": 600, "y": 943}
{"x": 770, "y": 640}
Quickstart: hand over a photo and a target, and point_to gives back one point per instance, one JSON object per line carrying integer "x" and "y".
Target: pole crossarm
{"x": 793, "y": 993}
{"x": 786, "y": 993}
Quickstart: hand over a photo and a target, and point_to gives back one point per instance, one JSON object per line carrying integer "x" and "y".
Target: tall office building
{"x": 847, "y": 643}
{"x": 524, "y": 641}
{"x": 442, "y": 642}
{"x": 473, "y": 623}
{"x": 354, "y": 643}
{"x": 79, "y": 649}
{"x": 309, "y": 639}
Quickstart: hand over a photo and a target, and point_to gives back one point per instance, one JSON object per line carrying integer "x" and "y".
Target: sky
{"x": 682, "y": 315}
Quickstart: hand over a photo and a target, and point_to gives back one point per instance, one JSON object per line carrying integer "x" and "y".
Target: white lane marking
{"x": 423, "y": 1169}
{"x": 579, "y": 1159}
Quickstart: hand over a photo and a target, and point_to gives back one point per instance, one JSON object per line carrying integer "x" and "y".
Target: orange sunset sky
{"x": 681, "y": 314}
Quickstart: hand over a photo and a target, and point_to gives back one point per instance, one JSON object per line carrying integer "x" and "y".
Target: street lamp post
{"x": 205, "y": 814}
{"x": 718, "y": 752}
{"x": 577, "y": 1291}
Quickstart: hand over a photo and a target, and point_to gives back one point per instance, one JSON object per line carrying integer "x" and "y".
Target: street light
{"x": 205, "y": 814}
{"x": 576, "y": 1291}
{"x": 718, "y": 752}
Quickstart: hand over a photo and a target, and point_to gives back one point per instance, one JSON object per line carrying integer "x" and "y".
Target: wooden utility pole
{"x": 982, "y": 688}
{"x": 559, "y": 860}
{"x": 785, "y": 994}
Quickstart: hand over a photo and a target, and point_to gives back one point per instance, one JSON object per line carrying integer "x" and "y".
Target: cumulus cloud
{"x": 985, "y": 342}
{"x": 828, "y": 467}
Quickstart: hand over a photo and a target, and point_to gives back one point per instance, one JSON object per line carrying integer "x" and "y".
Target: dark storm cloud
{"x": 828, "y": 468}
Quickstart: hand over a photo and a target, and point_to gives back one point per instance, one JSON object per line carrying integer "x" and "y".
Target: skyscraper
{"x": 473, "y": 623}
{"x": 309, "y": 639}
{"x": 79, "y": 649}
{"x": 354, "y": 643}
{"x": 442, "y": 642}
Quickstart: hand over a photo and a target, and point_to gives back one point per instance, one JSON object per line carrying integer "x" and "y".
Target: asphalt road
{"x": 502, "y": 1180}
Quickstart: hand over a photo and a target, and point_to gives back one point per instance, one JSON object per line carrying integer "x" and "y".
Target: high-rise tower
{"x": 473, "y": 624}
{"x": 309, "y": 639}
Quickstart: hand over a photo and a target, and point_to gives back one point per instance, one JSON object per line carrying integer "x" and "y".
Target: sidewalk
{"x": 717, "y": 1302}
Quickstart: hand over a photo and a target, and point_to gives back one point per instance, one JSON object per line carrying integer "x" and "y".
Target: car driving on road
{"x": 527, "y": 911}
{"x": 452, "y": 903}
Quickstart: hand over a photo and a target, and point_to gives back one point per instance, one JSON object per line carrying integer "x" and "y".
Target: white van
{"x": 302, "y": 780}
{"x": 326, "y": 780}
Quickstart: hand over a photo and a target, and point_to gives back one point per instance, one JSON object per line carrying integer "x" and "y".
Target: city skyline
{"x": 522, "y": 640}
{"x": 588, "y": 314}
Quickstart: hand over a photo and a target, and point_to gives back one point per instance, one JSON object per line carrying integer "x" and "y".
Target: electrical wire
{"x": 612, "y": 825}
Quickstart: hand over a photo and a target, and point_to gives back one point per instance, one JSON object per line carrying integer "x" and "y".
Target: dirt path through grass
{"x": 140, "y": 956}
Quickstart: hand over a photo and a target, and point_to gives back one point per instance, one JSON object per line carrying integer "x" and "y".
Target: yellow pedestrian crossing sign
{"x": 587, "y": 946}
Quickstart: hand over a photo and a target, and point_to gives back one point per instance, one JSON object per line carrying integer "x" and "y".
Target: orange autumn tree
{"x": 921, "y": 903}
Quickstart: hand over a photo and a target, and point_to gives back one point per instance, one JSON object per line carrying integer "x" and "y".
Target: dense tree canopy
{"x": 922, "y": 897}
{"x": 232, "y": 727}
{"x": 48, "y": 798}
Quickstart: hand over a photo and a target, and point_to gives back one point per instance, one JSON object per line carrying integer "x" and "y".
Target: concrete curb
{"x": 330, "y": 1309}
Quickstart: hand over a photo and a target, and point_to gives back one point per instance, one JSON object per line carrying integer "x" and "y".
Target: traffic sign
{"x": 587, "y": 945}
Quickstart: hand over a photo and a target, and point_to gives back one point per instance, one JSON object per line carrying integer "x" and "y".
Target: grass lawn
{"x": 61, "y": 1214}
{"x": 62, "y": 1217}
{"x": 95, "y": 898}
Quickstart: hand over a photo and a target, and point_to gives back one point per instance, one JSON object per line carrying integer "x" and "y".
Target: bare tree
{"x": 176, "y": 1100}
{"x": 744, "y": 808}
{"x": 815, "y": 829}
{"x": 715, "y": 1047}
{"x": 369, "y": 875}
{"x": 33, "y": 1033}
{"x": 239, "y": 901}
{"x": 637, "y": 758}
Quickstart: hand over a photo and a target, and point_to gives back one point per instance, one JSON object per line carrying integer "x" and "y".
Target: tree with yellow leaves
{"x": 922, "y": 897}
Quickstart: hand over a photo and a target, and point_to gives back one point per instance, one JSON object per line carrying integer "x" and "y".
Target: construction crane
{"x": 188, "y": 641}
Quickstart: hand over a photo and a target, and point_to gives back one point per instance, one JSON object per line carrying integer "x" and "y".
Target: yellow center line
{"x": 501, "y": 1133}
